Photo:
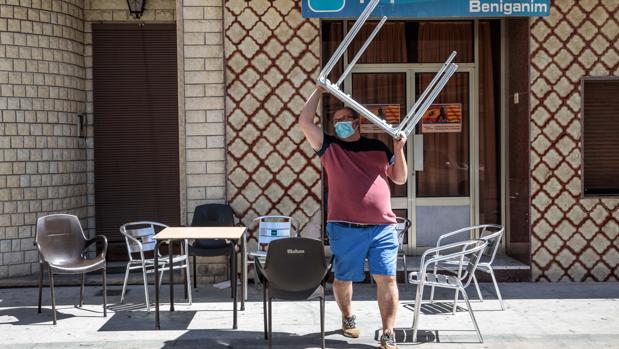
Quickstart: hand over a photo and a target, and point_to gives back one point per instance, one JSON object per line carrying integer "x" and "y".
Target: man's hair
{"x": 355, "y": 115}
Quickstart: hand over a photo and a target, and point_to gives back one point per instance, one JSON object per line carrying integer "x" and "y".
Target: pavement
{"x": 537, "y": 315}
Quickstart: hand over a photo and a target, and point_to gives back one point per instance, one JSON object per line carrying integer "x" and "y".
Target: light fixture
{"x": 136, "y": 7}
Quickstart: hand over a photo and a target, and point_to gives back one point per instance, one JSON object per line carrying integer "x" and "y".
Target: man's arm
{"x": 399, "y": 171}
{"x": 312, "y": 132}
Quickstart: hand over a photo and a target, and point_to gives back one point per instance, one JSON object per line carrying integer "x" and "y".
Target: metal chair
{"x": 139, "y": 237}
{"x": 63, "y": 248}
{"x": 213, "y": 215}
{"x": 488, "y": 232}
{"x": 295, "y": 269}
{"x": 470, "y": 250}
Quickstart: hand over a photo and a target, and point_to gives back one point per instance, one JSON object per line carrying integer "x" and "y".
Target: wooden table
{"x": 236, "y": 234}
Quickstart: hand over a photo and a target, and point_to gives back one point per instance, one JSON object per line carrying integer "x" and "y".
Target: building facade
{"x": 243, "y": 72}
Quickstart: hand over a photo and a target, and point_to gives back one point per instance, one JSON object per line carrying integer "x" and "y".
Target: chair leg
{"x": 195, "y": 272}
{"x": 82, "y": 290}
{"x": 477, "y": 288}
{"x": 468, "y": 305}
{"x": 496, "y": 287}
{"x": 270, "y": 320}
{"x": 231, "y": 264}
{"x": 146, "y": 285}
{"x": 51, "y": 287}
{"x": 456, "y": 302}
{"x": 417, "y": 310}
{"x": 405, "y": 271}
{"x": 265, "y": 312}
{"x": 322, "y": 322}
{"x": 122, "y": 293}
{"x": 40, "y": 286}
{"x": 104, "y": 292}
{"x": 432, "y": 294}
{"x": 188, "y": 283}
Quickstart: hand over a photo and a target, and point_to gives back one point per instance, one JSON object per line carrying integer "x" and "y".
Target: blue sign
{"x": 427, "y": 8}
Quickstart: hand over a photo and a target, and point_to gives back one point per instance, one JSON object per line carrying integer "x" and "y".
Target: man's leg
{"x": 343, "y": 296}
{"x": 388, "y": 298}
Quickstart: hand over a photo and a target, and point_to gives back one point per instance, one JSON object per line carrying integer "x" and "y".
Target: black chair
{"x": 295, "y": 269}
{"x": 63, "y": 249}
{"x": 213, "y": 215}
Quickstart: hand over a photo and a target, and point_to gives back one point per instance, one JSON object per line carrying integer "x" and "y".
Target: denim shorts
{"x": 351, "y": 246}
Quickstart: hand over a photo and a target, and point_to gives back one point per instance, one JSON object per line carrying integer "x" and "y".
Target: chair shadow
{"x": 436, "y": 308}
{"x": 29, "y": 316}
{"x": 213, "y": 339}
{"x": 145, "y": 321}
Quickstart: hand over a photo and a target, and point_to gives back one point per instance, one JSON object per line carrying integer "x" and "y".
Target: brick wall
{"x": 572, "y": 239}
{"x": 202, "y": 105}
{"x": 42, "y": 161}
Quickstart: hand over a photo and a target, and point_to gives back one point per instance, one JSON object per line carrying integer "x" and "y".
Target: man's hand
{"x": 398, "y": 144}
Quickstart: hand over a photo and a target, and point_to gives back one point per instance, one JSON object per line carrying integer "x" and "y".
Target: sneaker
{"x": 349, "y": 327}
{"x": 387, "y": 340}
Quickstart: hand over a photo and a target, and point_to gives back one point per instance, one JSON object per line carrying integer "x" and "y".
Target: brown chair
{"x": 63, "y": 247}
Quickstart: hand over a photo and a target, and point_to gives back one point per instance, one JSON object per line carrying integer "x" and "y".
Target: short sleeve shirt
{"x": 357, "y": 179}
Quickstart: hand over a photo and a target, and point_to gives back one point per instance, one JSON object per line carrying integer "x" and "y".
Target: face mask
{"x": 344, "y": 129}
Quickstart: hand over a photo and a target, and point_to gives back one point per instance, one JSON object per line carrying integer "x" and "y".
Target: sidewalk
{"x": 542, "y": 315}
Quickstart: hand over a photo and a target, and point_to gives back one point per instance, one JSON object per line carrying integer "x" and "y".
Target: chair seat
{"x": 79, "y": 266}
{"x": 438, "y": 280}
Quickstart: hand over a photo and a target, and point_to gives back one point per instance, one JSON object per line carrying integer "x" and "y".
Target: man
{"x": 360, "y": 222}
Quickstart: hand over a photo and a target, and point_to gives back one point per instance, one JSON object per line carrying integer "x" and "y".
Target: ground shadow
{"x": 30, "y": 316}
{"x": 145, "y": 321}
{"x": 214, "y": 339}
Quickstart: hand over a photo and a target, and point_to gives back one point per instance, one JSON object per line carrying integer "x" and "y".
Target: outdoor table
{"x": 236, "y": 234}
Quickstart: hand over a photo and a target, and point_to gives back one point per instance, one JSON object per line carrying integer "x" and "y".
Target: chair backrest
{"x": 473, "y": 254}
{"x": 295, "y": 264}
{"x": 271, "y": 228}
{"x": 492, "y": 234}
{"x": 60, "y": 238}
{"x": 402, "y": 228}
{"x": 212, "y": 215}
{"x": 143, "y": 232}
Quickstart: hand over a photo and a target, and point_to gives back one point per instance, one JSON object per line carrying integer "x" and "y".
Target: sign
{"x": 427, "y": 8}
{"x": 442, "y": 118}
{"x": 390, "y": 113}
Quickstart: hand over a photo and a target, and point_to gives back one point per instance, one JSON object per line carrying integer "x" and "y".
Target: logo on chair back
{"x": 295, "y": 251}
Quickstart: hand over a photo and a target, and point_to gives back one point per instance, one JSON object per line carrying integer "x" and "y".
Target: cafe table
{"x": 173, "y": 234}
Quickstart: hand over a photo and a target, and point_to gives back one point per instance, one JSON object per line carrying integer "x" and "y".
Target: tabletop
{"x": 177, "y": 233}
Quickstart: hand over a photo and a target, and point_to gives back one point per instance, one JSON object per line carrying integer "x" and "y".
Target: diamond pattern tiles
{"x": 273, "y": 57}
{"x": 572, "y": 238}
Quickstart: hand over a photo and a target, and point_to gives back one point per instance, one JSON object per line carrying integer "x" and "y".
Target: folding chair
{"x": 424, "y": 101}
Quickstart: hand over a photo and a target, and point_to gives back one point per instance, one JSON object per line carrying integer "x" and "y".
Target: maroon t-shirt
{"x": 357, "y": 179}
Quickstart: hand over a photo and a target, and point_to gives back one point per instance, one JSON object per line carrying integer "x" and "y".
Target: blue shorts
{"x": 351, "y": 246}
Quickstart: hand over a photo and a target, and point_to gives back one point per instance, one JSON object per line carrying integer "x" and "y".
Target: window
{"x": 600, "y": 143}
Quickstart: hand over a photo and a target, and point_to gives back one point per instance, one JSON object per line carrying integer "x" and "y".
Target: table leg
{"x": 243, "y": 270}
{"x": 171, "y": 276}
{"x": 234, "y": 288}
{"x": 157, "y": 324}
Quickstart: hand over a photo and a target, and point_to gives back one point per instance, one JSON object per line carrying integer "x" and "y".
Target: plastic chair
{"x": 470, "y": 250}
{"x": 295, "y": 269}
{"x": 139, "y": 237}
{"x": 488, "y": 232}
{"x": 63, "y": 247}
{"x": 271, "y": 228}
{"x": 213, "y": 215}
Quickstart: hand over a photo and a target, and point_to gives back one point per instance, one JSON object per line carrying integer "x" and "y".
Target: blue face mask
{"x": 344, "y": 129}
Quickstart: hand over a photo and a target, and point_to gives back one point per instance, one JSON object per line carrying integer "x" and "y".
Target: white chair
{"x": 488, "y": 232}
{"x": 271, "y": 228}
{"x": 471, "y": 251}
{"x": 139, "y": 237}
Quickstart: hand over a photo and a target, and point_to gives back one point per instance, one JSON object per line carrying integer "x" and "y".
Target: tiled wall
{"x": 42, "y": 161}
{"x": 272, "y": 61}
{"x": 573, "y": 239}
